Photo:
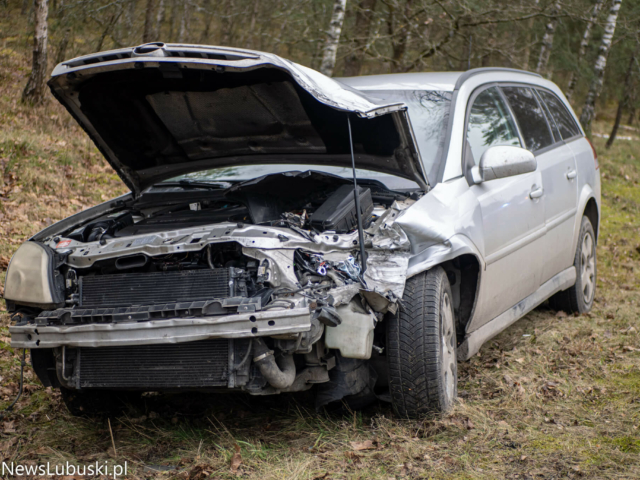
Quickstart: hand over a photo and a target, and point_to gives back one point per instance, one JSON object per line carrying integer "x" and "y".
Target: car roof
{"x": 443, "y": 81}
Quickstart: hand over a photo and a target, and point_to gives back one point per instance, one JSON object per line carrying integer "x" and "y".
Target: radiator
{"x": 148, "y": 367}
{"x": 127, "y": 289}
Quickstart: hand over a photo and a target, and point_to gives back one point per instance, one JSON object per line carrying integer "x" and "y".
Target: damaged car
{"x": 285, "y": 231}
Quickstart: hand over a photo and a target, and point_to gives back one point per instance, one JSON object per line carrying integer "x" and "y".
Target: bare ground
{"x": 554, "y": 396}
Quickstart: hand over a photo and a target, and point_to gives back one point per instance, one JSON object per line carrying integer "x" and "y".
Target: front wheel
{"x": 421, "y": 347}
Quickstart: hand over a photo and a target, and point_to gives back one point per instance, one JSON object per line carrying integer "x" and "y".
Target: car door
{"x": 512, "y": 211}
{"x": 557, "y": 165}
{"x": 560, "y": 221}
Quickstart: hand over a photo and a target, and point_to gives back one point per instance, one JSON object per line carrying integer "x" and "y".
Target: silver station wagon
{"x": 286, "y": 231}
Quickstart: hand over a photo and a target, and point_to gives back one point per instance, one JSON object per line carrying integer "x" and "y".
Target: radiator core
{"x": 127, "y": 289}
{"x": 147, "y": 367}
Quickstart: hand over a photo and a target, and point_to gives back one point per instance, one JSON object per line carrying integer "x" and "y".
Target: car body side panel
{"x": 560, "y": 192}
{"x": 588, "y": 180}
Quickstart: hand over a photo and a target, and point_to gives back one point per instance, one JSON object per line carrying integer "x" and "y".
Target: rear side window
{"x": 565, "y": 122}
{"x": 490, "y": 123}
{"x": 530, "y": 117}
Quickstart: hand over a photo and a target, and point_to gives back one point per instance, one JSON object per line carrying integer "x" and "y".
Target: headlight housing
{"x": 32, "y": 279}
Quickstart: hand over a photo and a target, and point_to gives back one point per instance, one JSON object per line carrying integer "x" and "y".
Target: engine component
{"x": 338, "y": 212}
{"x": 103, "y": 227}
{"x": 354, "y": 336}
{"x": 127, "y": 289}
{"x": 183, "y": 365}
{"x": 278, "y": 376}
{"x": 328, "y": 316}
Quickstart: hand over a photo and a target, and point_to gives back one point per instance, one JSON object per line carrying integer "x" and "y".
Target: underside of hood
{"x": 158, "y": 111}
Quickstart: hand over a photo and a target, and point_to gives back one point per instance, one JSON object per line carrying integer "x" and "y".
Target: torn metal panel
{"x": 278, "y": 268}
{"x": 387, "y": 272}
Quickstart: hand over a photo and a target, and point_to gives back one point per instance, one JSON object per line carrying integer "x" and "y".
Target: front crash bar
{"x": 267, "y": 323}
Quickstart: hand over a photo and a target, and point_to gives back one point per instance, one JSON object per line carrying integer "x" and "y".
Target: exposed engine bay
{"x": 257, "y": 285}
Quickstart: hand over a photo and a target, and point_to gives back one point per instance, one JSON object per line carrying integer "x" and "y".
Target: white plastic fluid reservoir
{"x": 354, "y": 336}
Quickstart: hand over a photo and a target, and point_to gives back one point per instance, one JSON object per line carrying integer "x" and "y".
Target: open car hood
{"x": 161, "y": 110}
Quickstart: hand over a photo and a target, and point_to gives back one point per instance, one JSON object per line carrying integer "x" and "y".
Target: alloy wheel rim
{"x": 587, "y": 267}
{"x": 448, "y": 339}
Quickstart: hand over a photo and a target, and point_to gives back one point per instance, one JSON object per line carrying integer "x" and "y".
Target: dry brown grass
{"x": 551, "y": 397}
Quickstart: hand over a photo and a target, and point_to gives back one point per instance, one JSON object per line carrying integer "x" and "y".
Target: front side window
{"x": 530, "y": 117}
{"x": 490, "y": 123}
{"x": 564, "y": 120}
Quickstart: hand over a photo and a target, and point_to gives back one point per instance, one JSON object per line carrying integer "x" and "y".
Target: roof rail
{"x": 475, "y": 71}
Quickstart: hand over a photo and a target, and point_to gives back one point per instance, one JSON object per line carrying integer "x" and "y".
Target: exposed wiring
{"x": 209, "y": 261}
{"x": 245, "y": 358}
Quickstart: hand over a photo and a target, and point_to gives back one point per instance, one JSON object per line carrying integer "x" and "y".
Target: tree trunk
{"x": 174, "y": 20}
{"x": 184, "y": 22}
{"x": 399, "y": 46}
{"x": 35, "y": 88}
{"x": 626, "y": 96}
{"x": 159, "y": 19}
{"x": 208, "y": 17}
{"x": 526, "y": 55}
{"x": 330, "y": 50}
{"x": 588, "y": 111}
{"x": 584, "y": 43}
{"x": 227, "y": 23}
{"x": 128, "y": 21}
{"x": 361, "y": 32}
{"x": 61, "y": 54}
{"x": 547, "y": 42}
{"x": 147, "y": 35}
{"x": 632, "y": 113}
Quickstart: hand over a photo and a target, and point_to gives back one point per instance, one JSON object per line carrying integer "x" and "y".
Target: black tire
{"x": 422, "y": 375}
{"x": 90, "y": 403}
{"x": 579, "y": 298}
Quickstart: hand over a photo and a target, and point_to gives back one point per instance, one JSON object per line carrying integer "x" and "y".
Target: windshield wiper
{"x": 185, "y": 183}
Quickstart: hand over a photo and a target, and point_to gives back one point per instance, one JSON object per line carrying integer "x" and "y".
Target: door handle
{"x": 537, "y": 192}
{"x": 571, "y": 174}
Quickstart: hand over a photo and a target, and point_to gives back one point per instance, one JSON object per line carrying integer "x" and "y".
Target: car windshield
{"x": 247, "y": 172}
{"x": 429, "y": 115}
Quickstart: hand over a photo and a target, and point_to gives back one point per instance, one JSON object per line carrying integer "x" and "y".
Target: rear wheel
{"x": 421, "y": 347}
{"x": 579, "y": 297}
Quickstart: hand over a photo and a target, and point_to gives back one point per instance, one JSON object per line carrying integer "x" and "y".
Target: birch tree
{"x": 35, "y": 88}
{"x": 584, "y": 43}
{"x": 330, "y": 49}
{"x": 547, "y": 42}
{"x": 159, "y": 20}
{"x": 184, "y": 22}
{"x": 588, "y": 111}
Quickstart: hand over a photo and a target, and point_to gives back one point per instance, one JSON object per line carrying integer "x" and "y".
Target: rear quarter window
{"x": 564, "y": 120}
{"x": 531, "y": 119}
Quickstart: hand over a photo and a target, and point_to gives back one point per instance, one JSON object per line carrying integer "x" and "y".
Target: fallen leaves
{"x": 359, "y": 446}
{"x": 4, "y": 262}
{"x": 236, "y": 459}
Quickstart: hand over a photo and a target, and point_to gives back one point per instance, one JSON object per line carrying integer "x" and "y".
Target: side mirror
{"x": 503, "y": 161}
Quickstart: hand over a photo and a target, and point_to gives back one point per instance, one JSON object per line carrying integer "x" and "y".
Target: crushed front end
{"x": 152, "y": 296}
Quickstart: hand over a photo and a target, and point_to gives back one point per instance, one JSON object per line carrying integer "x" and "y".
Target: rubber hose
{"x": 278, "y": 376}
